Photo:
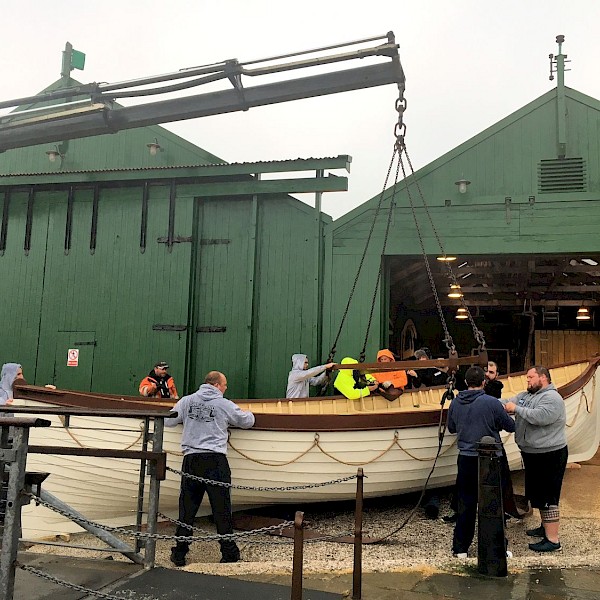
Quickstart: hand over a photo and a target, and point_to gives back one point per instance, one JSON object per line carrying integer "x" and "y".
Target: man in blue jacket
{"x": 472, "y": 415}
{"x": 206, "y": 416}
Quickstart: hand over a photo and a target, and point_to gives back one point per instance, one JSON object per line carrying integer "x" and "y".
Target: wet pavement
{"x": 131, "y": 582}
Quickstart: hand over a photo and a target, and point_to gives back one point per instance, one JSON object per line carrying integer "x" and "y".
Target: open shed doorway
{"x": 511, "y": 297}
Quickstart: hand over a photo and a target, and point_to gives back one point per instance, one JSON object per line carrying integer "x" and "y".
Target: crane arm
{"x": 91, "y": 109}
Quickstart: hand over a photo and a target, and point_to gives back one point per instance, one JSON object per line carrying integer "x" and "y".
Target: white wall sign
{"x": 73, "y": 357}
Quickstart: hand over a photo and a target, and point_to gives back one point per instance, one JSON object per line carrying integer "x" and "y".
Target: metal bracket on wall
{"x": 175, "y": 240}
{"x": 159, "y": 327}
{"x": 29, "y": 221}
{"x": 507, "y": 203}
{"x": 211, "y": 329}
{"x": 4, "y": 228}
{"x": 213, "y": 242}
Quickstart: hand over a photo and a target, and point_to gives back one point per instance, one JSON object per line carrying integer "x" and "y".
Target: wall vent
{"x": 556, "y": 175}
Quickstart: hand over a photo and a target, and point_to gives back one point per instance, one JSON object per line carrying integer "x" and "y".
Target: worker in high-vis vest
{"x": 354, "y": 384}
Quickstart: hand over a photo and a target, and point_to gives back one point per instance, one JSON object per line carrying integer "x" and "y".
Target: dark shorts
{"x": 544, "y": 474}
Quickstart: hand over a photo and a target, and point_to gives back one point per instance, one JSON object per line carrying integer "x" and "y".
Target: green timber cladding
{"x": 133, "y": 258}
{"x": 509, "y": 207}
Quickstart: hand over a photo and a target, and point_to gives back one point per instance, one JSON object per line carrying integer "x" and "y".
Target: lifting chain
{"x": 477, "y": 333}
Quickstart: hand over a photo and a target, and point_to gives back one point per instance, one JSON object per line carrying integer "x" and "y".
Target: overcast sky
{"x": 468, "y": 64}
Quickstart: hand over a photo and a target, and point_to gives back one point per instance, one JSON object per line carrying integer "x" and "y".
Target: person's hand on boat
{"x": 412, "y": 373}
{"x": 329, "y": 366}
{"x": 509, "y": 407}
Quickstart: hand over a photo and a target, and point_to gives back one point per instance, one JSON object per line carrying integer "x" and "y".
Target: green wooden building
{"x": 139, "y": 246}
{"x": 518, "y": 205}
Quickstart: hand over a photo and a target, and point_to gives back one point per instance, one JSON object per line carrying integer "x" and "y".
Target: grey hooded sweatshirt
{"x": 7, "y": 379}
{"x": 206, "y": 417}
{"x": 299, "y": 379}
{"x": 540, "y": 420}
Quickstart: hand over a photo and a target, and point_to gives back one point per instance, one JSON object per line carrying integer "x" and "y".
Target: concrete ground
{"x": 580, "y": 500}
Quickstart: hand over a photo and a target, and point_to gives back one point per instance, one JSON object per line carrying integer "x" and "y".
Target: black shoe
{"x": 178, "y": 556}
{"x": 450, "y": 518}
{"x": 537, "y": 532}
{"x": 230, "y": 559}
{"x": 545, "y": 546}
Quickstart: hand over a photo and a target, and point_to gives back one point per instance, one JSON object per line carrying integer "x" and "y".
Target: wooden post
{"x": 358, "y": 535}
{"x": 298, "y": 557}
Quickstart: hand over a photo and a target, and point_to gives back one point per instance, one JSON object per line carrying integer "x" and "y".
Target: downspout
{"x": 318, "y": 273}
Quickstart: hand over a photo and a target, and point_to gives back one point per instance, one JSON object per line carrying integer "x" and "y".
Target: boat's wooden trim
{"x": 576, "y": 384}
{"x": 393, "y": 419}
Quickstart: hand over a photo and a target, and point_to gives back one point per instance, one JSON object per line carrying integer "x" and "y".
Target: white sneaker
{"x": 460, "y": 555}
{"x": 509, "y": 554}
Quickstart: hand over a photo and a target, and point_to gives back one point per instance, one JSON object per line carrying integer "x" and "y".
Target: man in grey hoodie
{"x": 301, "y": 377}
{"x": 540, "y": 418}
{"x": 206, "y": 417}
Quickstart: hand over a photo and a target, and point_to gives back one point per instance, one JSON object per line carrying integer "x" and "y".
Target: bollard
{"x": 298, "y": 557}
{"x": 358, "y": 535}
{"x": 491, "y": 536}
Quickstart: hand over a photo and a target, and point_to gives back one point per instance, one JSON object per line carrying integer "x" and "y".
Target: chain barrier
{"x": 79, "y": 588}
{"x": 142, "y": 535}
{"x": 287, "y": 488}
{"x": 323, "y": 538}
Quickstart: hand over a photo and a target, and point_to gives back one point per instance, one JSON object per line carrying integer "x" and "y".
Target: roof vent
{"x": 556, "y": 175}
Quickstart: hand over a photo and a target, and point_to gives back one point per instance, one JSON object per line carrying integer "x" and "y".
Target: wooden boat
{"x": 294, "y": 442}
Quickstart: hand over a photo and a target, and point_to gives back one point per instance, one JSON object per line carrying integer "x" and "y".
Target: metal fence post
{"x": 298, "y": 557}
{"x": 157, "y": 446}
{"x": 358, "y": 537}
{"x": 16, "y": 455}
{"x": 142, "y": 484}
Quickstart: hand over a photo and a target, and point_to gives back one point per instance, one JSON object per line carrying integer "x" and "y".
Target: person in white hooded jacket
{"x": 206, "y": 416}
{"x": 10, "y": 372}
{"x": 301, "y": 377}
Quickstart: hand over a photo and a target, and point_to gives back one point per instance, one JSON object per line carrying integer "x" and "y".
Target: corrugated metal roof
{"x": 230, "y": 167}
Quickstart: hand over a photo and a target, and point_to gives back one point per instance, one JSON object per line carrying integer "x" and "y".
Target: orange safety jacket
{"x": 398, "y": 378}
{"x": 149, "y": 387}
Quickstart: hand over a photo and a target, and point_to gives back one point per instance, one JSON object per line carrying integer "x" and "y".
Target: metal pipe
{"x": 298, "y": 557}
{"x": 358, "y": 537}
{"x": 105, "y": 536}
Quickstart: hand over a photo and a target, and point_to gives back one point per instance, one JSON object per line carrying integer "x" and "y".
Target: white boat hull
{"x": 394, "y": 461}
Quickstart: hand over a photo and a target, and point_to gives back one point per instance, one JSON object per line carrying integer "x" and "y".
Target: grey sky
{"x": 468, "y": 64}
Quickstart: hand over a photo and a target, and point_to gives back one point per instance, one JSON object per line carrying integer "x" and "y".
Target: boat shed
{"x": 138, "y": 247}
{"x": 519, "y": 206}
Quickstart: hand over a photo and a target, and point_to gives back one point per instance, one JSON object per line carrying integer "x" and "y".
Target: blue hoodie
{"x": 472, "y": 415}
{"x": 206, "y": 417}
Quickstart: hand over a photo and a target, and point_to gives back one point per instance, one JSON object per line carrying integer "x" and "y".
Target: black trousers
{"x": 508, "y": 495}
{"x": 466, "y": 492}
{"x": 208, "y": 465}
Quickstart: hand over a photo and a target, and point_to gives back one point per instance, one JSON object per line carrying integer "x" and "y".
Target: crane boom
{"x": 92, "y": 110}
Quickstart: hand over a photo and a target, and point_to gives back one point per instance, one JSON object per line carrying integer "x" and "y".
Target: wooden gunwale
{"x": 419, "y": 417}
